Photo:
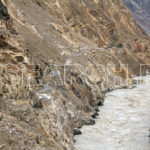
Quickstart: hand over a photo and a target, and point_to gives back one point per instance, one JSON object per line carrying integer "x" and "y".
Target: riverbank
{"x": 123, "y": 121}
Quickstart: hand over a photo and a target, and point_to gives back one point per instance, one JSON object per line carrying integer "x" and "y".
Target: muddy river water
{"x": 123, "y": 122}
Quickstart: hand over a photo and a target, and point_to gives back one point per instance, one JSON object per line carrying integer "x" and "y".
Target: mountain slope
{"x": 72, "y": 53}
{"x": 141, "y": 12}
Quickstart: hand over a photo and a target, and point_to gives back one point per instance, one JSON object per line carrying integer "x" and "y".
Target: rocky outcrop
{"x": 71, "y": 52}
{"x": 15, "y": 73}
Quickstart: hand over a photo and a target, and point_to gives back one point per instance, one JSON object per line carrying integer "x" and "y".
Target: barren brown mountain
{"x": 38, "y": 109}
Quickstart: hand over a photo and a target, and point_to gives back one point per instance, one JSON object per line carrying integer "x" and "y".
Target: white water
{"x": 123, "y": 124}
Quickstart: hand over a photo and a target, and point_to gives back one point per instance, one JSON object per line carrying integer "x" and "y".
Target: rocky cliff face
{"x": 71, "y": 53}
{"x": 13, "y": 61}
{"x": 141, "y": 12}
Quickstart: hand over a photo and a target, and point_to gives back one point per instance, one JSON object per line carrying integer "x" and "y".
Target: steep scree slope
{"x": 89, "y": 37}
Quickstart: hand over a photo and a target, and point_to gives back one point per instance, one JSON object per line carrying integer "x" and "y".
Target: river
{"x": 123, "y": 122}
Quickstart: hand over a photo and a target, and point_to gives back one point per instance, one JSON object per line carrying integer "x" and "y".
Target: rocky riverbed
{"x": 123, "y": 122}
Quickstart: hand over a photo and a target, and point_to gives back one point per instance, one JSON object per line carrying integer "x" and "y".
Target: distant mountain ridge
{"x": 141, "y": 12}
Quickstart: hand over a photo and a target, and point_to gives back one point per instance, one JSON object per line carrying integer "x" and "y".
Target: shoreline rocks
{"x": 87, "y": 120}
